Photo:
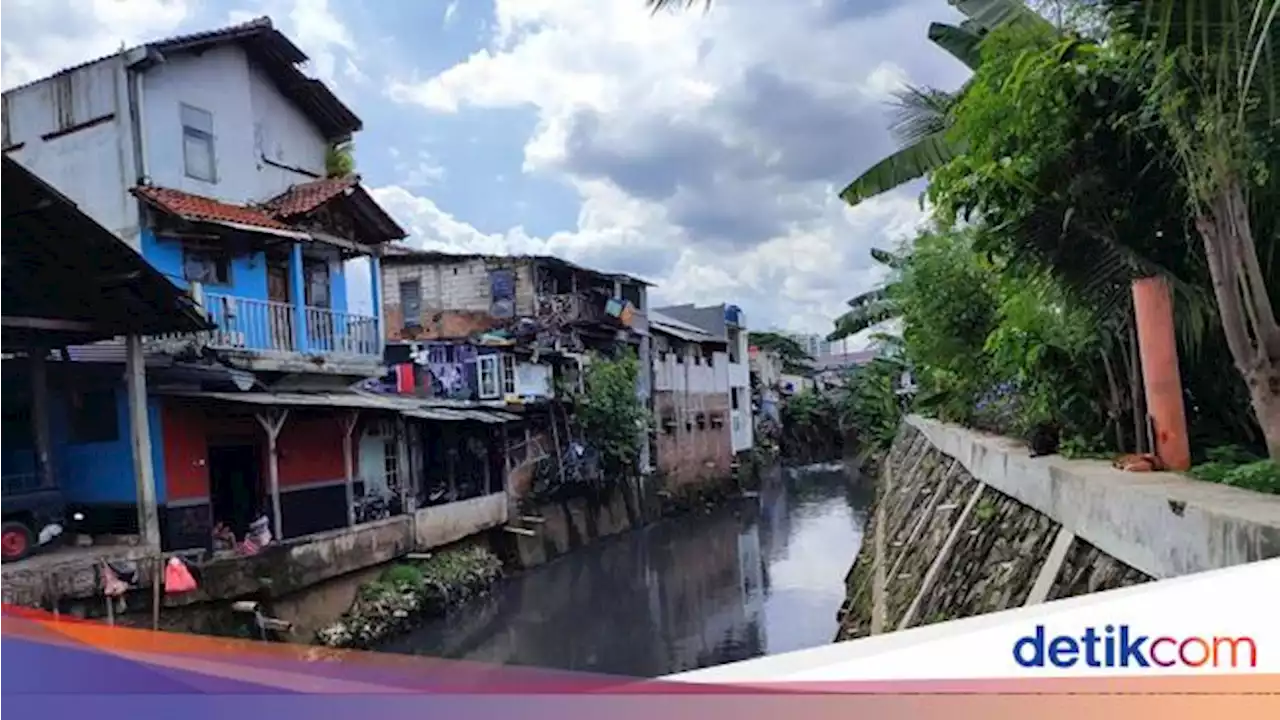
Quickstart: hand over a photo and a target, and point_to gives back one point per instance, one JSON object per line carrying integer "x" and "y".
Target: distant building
{"x": 691, "y": 402}
{"x": 504, "y": 329}
{"x": 727, "y": 323}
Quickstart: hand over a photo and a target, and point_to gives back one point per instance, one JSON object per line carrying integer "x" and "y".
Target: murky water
{"x": 763, "y": 576}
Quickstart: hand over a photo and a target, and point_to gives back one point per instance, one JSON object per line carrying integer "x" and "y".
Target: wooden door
{"x": 280, "y": 311}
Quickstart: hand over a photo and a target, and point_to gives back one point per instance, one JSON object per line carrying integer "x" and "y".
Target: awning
{"x": 69, "y": 280}
{"x": 409, "y": 407}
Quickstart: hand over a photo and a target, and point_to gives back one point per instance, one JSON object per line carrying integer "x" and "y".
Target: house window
{"x": 92, "y": 417}
{"x": 197, "y": 144}
{"x": 210, "y": 267}
{"x": 438, "y": 354}
{"x": 487, "y": 377}
{"x": 509, "y": 374}
{"x": 737, "y": 398}
{"x": 631, "y": 293}
{"x": 17, "y": 428}
{"x": 411, "y": 302}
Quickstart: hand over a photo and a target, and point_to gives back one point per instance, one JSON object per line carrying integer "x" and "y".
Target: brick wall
{"x": 456, "y": 298}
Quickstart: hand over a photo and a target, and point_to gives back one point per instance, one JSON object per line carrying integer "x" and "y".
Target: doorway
{"x": 235, "y": 485}
{"x": 281, "y": 312}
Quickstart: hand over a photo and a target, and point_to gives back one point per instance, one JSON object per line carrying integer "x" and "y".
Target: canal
{"x": 760, "y": 576}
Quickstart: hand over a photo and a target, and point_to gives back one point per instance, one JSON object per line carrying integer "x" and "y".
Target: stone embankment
{"x": 967, "y": 523}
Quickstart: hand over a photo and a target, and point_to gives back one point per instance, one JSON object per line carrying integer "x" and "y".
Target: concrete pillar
{"x": 1158, "y": 345}
{"x": 298, "y": 296}
{"x": 140, "y": 437}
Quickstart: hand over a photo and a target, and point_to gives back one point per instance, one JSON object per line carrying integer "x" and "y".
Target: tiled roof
{"x": 302, "y": 199}
{"x": 196, "y": 207}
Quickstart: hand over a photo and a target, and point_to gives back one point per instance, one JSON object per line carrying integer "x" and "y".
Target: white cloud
{"x": 706, "y": 149}
{"x": 44, "y": 36}
{"x": 449, "y": 11}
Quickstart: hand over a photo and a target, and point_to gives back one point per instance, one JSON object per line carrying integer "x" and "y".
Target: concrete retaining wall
{"x": 444, "y": 524}
{"x": 967, "y": 523}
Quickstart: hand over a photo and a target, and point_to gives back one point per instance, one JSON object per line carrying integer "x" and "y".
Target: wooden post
{"x": 140, "y": 435}
{"x": 271, "y": 422}
{"x": 1153, "y": 311}
{"x": 156, "y": 577}
{"x": 40, "y": 416}
{"x": 349, "y": 422}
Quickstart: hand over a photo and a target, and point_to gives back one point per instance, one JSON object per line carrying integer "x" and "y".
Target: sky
{"x": 700, "y": 151}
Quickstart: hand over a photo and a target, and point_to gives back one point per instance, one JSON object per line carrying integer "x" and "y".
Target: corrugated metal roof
{"x": 683, "y": 330}
{"x": 410, "y": 407}
{"x": 62, "y": 265}
{"x": 400, "y": 253}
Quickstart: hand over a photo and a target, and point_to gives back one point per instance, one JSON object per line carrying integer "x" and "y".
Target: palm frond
{"x": 919, "y": 112}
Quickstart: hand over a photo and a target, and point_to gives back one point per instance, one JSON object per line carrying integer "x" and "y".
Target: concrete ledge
{"x": 443, "y": 524}
{"x": 1163, "y": 524}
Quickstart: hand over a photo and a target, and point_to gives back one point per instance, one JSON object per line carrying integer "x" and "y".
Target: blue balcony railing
{"x": 270, "y": 327}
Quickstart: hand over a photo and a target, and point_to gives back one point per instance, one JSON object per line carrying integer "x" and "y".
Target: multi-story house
{"x": 728, "y": 324}
{"x": 691, "y": 402}
{"x": 506, "y": 329}
{"x": 210, "y": 154}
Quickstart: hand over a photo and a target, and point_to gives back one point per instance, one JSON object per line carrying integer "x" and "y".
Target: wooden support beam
{"x": 272, "y": 421}
{"x": 40, "y": 432}
{"x": 140, "y": 439}
{"x": 519, "y": 531}
{"x": 349, "y": 421}
{"x": 35, "y": 323}
{"x": 935, "y": 569}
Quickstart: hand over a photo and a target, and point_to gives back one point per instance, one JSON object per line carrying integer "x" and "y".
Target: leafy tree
{"x": 1215, "y": 96}
{"x": 612, "y": 418}
{"x": 795, "y": 360}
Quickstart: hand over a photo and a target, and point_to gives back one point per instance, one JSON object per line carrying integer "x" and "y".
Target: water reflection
{"x": 763, "y": 576}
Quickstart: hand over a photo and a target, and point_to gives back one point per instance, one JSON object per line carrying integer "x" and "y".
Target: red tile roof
{"x": 302, "y": 199}
{"x": 196, "y": 207}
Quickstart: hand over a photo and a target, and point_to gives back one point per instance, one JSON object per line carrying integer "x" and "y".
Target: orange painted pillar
{"x": 1153, "y": 312}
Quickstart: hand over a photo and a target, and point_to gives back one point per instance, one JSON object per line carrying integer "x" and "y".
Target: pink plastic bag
{"x": 177, "y": 577}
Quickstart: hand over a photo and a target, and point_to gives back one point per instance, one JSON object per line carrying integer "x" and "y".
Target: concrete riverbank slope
{"x": 967, "y": 523}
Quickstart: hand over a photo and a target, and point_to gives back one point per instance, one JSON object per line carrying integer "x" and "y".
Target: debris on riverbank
{"x": 408, "y": 593}
{"x": 701, "y": 497}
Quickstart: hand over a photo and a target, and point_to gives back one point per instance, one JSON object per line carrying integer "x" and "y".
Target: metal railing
{"x": 268, "y": 326}
{"x": 340, "y": 333}
{"x": 245, "y": 324}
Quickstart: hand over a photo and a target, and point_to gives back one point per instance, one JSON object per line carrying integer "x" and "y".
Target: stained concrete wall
{"x": 443, "y": 524}
{"x": 967, "y": 523}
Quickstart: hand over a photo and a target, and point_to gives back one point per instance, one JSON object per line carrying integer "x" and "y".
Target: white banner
{"x": 1221, "y": 622}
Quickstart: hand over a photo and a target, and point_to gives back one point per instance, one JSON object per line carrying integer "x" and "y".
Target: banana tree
{"x": 922, "y": 154}
{"x": 872, "y": 307}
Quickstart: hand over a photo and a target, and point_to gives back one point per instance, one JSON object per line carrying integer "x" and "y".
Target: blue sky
{"x": 702, "y": 152}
